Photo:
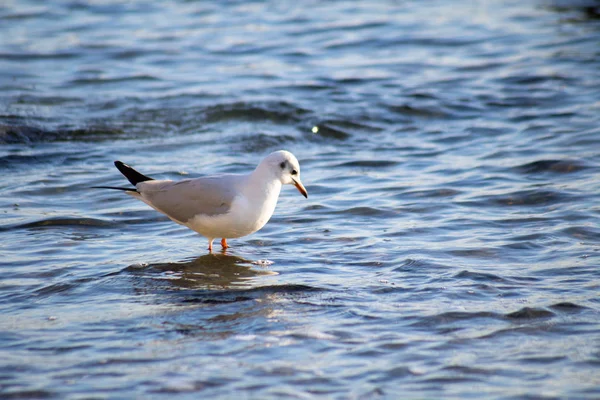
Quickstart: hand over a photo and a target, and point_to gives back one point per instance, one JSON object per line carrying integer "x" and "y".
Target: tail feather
{"x": 131, "y": 174}
{"x": 114, "y": 188}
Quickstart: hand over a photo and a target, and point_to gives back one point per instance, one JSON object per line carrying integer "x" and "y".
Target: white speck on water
{"x": 263, "y": 263}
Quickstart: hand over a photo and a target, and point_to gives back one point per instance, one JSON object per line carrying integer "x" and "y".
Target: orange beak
{"x": 301, "y": 188}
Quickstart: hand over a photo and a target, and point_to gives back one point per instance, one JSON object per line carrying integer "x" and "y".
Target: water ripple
{"x": 552, "y": 166}
{"x": 61, "y": 222}
{"x": 453, "y": 211}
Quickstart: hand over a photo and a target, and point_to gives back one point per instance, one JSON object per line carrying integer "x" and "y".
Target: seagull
{"x": 218, "y": 206}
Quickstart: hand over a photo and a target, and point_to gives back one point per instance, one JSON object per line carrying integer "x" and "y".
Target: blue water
{"x": 449, "y": 247}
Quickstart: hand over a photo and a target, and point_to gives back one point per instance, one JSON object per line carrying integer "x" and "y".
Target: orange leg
{"x": 224, "y": 243}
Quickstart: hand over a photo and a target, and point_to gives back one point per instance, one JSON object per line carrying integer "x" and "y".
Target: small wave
{"x": 38, "y": 56}
{"x": 369, "y": 164}
{"x": 309, "y": 86}
{"x": 218, "y": 299}
{"x": 411, "y": 264}
{"x": 61, "y": 287}
{"x": 119, "y": 79}
{"x": 279, "y": 112}
{"x": 431, "y": 193}
{"x": 551, "y": 166}
{"x": 285, "y": 289}
{"x": 31, "y": 394}
{"x": 583, "y": 233}
{"x": 25, "y": 134}
{"x": 24, "y": 14}
{"x": 130, "y": 54}
{"x": 527, "y": 313}
{"x": 480, "y": 66}
{"x": 453, "y": 317}
{"x": 475, "y": 253}
{"x": 486, "y": 131}
{"x": 464, "y": 316}
{"x": 524, "y": 244}
{"x": 58, "y": 222}
{"x": 365, "y": 211}
{"x": 18, "y": 161}
{"x": 542, "y": 360}
{"x": 46, "y": 100}
{"x": 518, "y": 102}
{"x": 412, "y": 111}
{"x": 528, "y": 198}
{"x": 257, "y": 143}
{"x": 463, "y": 369}
{"x": 534, "y": 79}
{"x": 10, "y": 134}
{"x": 53, "y": 289}
{"x": 567, "y": 307}
{"x": 530, "y": 116}
{"x": 338, "y": 44}
{"x": 480, "y": 276}
{"x": 243, "y": 49}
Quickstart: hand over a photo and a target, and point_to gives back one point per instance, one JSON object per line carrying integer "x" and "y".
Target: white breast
{"x": 249, "y": 212}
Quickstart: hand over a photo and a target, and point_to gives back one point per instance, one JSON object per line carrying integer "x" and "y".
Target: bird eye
{"x": 282, "y": 165}
{"x": 294, "y": 172}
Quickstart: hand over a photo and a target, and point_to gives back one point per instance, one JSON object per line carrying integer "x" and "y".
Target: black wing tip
{"x": 131, "y": 174}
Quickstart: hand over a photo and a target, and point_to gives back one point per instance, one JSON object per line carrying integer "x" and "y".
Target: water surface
{"x": 448, "y": 247}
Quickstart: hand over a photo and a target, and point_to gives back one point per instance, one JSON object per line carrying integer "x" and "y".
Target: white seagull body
{"x": 220, "y": 206}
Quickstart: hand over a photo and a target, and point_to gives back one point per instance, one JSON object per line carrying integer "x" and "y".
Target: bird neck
{"x": 263, "y": 183}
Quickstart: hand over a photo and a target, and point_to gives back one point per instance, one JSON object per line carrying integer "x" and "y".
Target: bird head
{"x": 286, "y": 168}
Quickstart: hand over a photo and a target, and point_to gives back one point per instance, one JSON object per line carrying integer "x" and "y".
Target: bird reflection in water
{"x": 225, "y": 295}
{"x": 211, "y": 271}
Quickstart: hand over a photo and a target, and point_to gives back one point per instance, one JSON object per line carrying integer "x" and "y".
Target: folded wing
{"x": 185, "y": 199}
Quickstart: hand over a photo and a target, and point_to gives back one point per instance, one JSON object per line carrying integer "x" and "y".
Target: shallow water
{"x": 449, "y": 246}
